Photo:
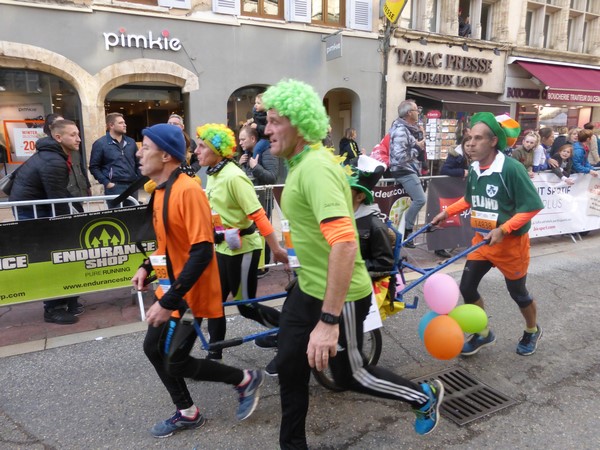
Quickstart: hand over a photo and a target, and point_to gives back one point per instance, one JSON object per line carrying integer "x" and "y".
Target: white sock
{"x": 485, "y": 332}
{"x": 190, "y": 412}
{"x": 246, "y": 378}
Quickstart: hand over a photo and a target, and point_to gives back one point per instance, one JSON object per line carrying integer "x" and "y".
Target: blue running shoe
{"x": 528, "y": 343}
{"x": 428, "y": 415}
{"x": 476, "y": 343}
{"x": 249, "y": 394}
{"x": 176, "y": 423}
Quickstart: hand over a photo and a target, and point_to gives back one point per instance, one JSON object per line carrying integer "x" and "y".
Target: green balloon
{"x": 471, "y": 318}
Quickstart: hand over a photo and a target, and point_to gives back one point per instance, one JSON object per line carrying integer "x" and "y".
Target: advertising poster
{"x": 24, "y": 139}
{"x": 456, "y": 232}
{"x": 393, "y": 201}
{"x": 72, "y": 254}
{"x": 30, "y": 113}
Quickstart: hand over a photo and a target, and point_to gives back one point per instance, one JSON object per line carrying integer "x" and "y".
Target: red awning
{"x": 569, "y": 81}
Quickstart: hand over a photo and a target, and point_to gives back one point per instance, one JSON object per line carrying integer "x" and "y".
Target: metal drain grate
{"x": 466, "y": 398}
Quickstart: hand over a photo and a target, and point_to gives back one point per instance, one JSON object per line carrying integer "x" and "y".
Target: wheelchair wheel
{"x": 372, "y": 345}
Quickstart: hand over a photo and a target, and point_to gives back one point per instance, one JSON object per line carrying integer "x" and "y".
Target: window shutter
{"x": 181, "y": 4}
{"x": 360, "y": 15}
{"x": 231, "y": 7}
{"x": 298, "y": 11}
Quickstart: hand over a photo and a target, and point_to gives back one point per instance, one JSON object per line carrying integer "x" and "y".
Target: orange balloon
{"x": 443, "y": 337}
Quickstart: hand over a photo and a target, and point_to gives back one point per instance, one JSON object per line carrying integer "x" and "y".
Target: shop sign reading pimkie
{"x": 162, "y": 42}
{"x": 430, "y": 60}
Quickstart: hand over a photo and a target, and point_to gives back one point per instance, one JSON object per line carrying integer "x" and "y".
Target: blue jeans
{"x": 412, "y": 186}
{"x": 260, "y": 147}
{"x": 117, "y": 189}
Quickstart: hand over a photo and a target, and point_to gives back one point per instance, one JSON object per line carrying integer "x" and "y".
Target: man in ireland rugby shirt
{"x": 503, "y": 200}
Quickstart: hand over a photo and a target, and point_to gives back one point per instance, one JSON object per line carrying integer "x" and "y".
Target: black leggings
{"x": 474, "y": 272}
{"x": 300, "y": 315}
{"x": 238, "y": 277}
{"x": 168, "y": 348}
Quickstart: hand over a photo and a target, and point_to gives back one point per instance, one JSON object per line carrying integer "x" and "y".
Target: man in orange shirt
{"x": 186, "y": 267}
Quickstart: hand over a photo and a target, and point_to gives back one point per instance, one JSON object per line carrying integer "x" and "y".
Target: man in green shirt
{"x": 503, "y": 201}
{"x": 322, "y": 318}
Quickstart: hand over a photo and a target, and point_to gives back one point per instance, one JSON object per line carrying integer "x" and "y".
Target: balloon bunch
{"x": 442, "y": 328}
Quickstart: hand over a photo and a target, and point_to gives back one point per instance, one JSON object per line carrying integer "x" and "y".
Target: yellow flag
{"x": 393, "y": 8}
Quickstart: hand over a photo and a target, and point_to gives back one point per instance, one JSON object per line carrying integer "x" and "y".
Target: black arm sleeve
{"x": 200, "y": 256}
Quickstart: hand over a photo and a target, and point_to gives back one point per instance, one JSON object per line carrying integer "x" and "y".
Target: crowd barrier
{"x": 96, "y": 250}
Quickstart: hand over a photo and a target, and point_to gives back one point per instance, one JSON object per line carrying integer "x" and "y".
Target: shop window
{"x": 26, "y": 97}
{"x": 144, "y": 105}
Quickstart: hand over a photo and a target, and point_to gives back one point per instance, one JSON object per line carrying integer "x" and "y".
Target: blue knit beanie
{"x": 168, "y": 138}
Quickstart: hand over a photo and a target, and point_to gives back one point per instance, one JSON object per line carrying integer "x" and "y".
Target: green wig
{"x": 218, "y": 138}
{"x": 301, "y": 105}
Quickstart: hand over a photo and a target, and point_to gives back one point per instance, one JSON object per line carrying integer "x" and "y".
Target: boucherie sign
{"x": 149, "y": 41}
{"x": 428, "y": 60}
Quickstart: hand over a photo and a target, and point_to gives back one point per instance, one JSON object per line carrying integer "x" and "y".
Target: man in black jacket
{"x": 261, "y": 169}
{"x": 46, "y": 175}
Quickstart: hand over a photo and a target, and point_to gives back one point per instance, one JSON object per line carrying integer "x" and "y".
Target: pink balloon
{"x": 441, "y": 293}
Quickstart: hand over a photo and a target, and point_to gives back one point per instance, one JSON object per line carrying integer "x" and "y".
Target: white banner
{"x": 567, "y": 209}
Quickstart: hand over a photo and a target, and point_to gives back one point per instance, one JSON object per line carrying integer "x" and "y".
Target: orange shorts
{"x": 511, "y": 256}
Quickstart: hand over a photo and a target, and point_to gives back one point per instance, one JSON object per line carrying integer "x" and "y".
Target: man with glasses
{"x": 406, "y": 141}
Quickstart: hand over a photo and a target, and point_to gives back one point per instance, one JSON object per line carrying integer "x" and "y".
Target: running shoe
{"x": 271, "y": 368}
{"x": 178, "y": 422}
{"x": 476, "y": 343}
{"x": 528, "y": 343}
{"x": 266, "y": 341}
{"x": 249, "y": 394}
{"x": 428, "y": 415}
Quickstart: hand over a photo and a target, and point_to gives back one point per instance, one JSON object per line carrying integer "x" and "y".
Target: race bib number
{"x": 483, "y": 221}
{"x": 159, "y": 264}
{"x": 287, "y": 237}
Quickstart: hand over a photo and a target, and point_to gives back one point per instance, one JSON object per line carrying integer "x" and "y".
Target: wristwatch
{"x": 330, "y": 318}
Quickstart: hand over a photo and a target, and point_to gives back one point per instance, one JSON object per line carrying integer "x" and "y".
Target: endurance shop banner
{"x": 70, "y": 255}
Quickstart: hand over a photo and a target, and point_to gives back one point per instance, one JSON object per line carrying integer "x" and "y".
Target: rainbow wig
{"x": 218, "y": 138}
{"x": 301, "y": 105}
